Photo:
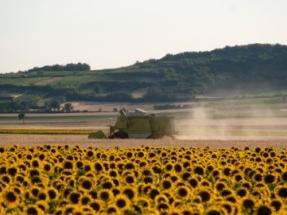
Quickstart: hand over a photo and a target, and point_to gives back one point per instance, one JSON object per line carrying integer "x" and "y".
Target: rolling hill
{"x": 230, "y": 71}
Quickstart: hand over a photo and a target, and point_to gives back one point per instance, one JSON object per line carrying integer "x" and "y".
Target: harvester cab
{"x": 139, "y": 125}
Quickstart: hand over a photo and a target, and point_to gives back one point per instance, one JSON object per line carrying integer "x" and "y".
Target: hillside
{"x": 230, "y": 71}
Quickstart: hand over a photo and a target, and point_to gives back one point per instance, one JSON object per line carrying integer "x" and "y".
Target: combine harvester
{"x": 138, "y": 125}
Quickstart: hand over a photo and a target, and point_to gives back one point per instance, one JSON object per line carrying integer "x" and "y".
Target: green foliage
{"x": 68, "y": 108}
{"x": 97, "y": 135}
{"x": 21, "y": 116}
{"x": 247, "y": 69}
{"x": 57, "y": 67}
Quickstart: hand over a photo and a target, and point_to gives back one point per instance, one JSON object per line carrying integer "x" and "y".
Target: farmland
{"x": 192, "y": 124}
{"x": 229, "y": 161}
{"x": 157, "y": 179}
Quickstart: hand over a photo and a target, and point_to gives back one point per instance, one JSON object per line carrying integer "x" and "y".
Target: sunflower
{"x": 263, "y": 209}
{"x": 148, "y": 180}
{"x": 6, "y": 179}
{"x": 238, "y": 177}
{"x": 284, "y": 176}
{"x": 112, "y": 209}
{"x": 85, "y": 199}
{"x": 98, "y": 167}
{"x": 93, "y": 194}
{"x": 10, "y": 198}
{"x": 248, "y": 203}
{"x": 105, "y": 195}
{"x": 68, "y": 164}
{"x": 129, "y": 179}
{"x": 122, "y": 202}
{"x": 228, "y": 207}
{"x": 33, "y": 210}
{"x": 153, "y": 192}
{"x": 162, "y": 206}
{"x": 281, "y": 192}
{"x": 185, "y": 176}
{"x": 129, "y": 166}
{"x": 35, "y": 163}
{"x": 12, "y": 171}
{"x": 258, "y": 177}
{"x": 242, "y": 192}
{"x": 89, "y": 153}
{"x": 86, "y": 183}
{"x": 214, "y": 211}
{"x": 198, "y": 170}
{"x": 146, "y": 172}
{"x": 74, "y": 197}
{"x": 52, "y": 193}
{"x": 129, "y": 192}
{"x": 166, "y": 184}
{"x": 47, "y": 167}
{"x": 43, "y": 205}
{"x": 142, "y": 202}
{"x": 69, "y": 209}
{"x": 276, "y": 204}
{"x": 35, "y": 191}
{"x": 107, "y": 184}
{"x": 269, "y": 178}
{"x": 204, "y": 195}
{"x": 168, "y": 167}
{"x": 193, "y": 182}
{"x": 178, "y": 167}
{"x": 182, "y": 192}
{"x": 161, "y": 198}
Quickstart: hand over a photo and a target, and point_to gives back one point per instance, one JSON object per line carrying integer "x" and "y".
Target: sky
{"x": 117, "y": 33}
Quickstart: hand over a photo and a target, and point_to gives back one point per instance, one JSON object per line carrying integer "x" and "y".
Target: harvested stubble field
{"x": 263, "y": 129}
{"x": 83, "y": 141}
{"x": 200, "y": 131}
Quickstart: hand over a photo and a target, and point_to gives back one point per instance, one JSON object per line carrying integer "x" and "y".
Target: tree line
{"x": 57, "y": 67}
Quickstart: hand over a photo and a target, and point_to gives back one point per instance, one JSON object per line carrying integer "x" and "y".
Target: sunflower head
{"x": 10, "y": 198}
{"x": 276, "y": 204}
{"x": 281, "y": 192}
{"x": 105, "y": 195}
{"x": 182, "y": 192}
{"x": 122, "y": 202}
{"x": 33, "y": 209}
{"x": 96, "y": 205}
{"x": 263, "y": 209}
{"x": 205, "y": 195}
{"x": 129, "y": 192}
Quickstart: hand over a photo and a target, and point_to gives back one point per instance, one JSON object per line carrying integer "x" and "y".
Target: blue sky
{"x": 117, "y": 33}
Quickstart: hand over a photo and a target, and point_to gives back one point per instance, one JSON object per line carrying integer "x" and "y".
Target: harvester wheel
{"x": 119, "y": 135}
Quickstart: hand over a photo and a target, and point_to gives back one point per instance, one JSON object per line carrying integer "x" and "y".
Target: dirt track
{"x": 82, "y": 140}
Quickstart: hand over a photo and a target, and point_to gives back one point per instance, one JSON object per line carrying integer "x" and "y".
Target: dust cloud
{"x": 233, "y": 124}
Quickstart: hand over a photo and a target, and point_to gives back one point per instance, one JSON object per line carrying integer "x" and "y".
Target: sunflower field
{"x": 61, "y": 179}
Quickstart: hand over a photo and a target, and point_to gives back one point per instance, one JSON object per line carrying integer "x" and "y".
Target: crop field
{"x": 73, "y": 179}
{"x": 215, "y": 165}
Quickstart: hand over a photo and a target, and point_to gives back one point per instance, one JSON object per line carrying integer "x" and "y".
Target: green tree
{"x": 68, "y": 107}
{"x": 53, "y": 105}
{"x": 21, "y": 116}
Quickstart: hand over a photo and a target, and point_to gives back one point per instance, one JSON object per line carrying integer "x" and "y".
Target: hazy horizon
{"x": 111, "y": 34}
